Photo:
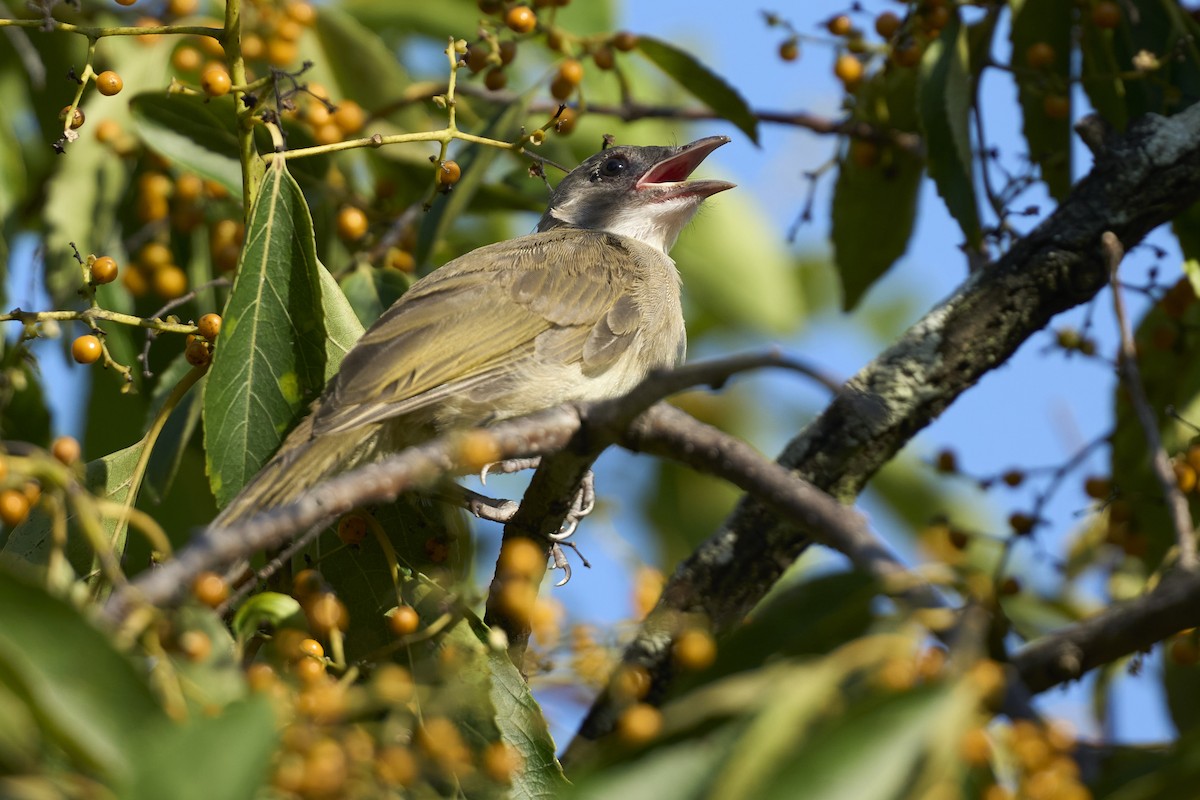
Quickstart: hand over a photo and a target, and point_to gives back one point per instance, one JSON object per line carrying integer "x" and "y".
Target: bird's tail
{"x": 301, "y": 462}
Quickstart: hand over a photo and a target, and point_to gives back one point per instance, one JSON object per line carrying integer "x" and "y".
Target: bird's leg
{"x": 508, "y": 467}
{"x": 560, "y": 560}
{"x": 582, "y": 504}
{"x": 481, "y": 506}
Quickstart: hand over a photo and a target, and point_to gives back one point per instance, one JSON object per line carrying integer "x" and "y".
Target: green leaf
{"x": 87, "y": 698}
{"x": 737, "y": 269}
{"x": 944, "y": 105}
{"x": 228, "y": 755}
{"x": 521, "y": 724}
{"x": 285, "y": 329}
{"x": 703, "y": 84}
{"x": 1049, "y": 140}
{"x": 372, "y": 291}
{"x": 356, "y": 51}
{"x": 109, "y": 477}
{"x": 265, "y": 608}
{"x": 474, "y": 164}
{"x": 866, "y": 754}
{"x": 458, "y": 18}
{"x": 877, "y": 197}
{"x": 196, "y": 132}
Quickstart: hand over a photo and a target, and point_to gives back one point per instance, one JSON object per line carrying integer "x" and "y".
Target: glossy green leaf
{"x": 457, "y": 18}
{"x": 703, "y": 84}
{"x": 86, "y": 698}
{"x": 944, "y": 106}
{"x": 1049, "y": 140}
{"x": 196, "y": 132}
{"x": 285, "y": 328}
{"x": 736, "y": 267}
{"x": 878, "y": 197}
{"x": 372, "y": 291}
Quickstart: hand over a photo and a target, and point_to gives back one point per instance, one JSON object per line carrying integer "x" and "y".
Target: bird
{"x": 582, "y": 309}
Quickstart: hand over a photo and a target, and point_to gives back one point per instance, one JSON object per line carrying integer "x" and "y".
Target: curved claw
{"x": 483, "y": 473}
{"x": 567, "y": 530}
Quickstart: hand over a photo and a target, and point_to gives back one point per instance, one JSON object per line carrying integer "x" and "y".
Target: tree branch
{"x": 1142, "y": 180}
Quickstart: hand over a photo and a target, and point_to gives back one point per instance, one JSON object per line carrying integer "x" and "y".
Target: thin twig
{"x": 1181, "y": 518}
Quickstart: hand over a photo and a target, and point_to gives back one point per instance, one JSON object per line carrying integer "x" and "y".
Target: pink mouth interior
{"x": 677, "y": 169}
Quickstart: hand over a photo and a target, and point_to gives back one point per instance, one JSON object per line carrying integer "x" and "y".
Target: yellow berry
{"x": 209, "y": 326}
{"x": 104, "y": 270}
{"x": 66, "y": 449}
{"x": 521, "y": 557}
{"x": 849, "y": 70}
{"x": 624, "y": 41}
{"x": 170, "y": 282}
{"x": 109, "y": 83}
{"x": 789, "y": 50}
{"x": 639, "y": 724}
{"x": 86, "y": 349}
{"x": 496, "y": 79}
{"x": 694, "y": 650}
{"x": 404, "y": 621}
{"x": 521, "y": 19}
{"x": 349, "y": 117}
{"x": 351, "y": 224}
{"x": 14, "y": 507}
{"x": 448, "y": 173}
{"x": 187, "y": 59}
{"x": 352, "y": 529}
{"x": 886, "y": 24}
{"x": 839, "y": 25}
{"x": 210, "y": 589}
{"x": 77, "y": 117}
{"x": 571, "y": 71}
{"x": 197, "y": 353}
{"x": 215, "y": 81}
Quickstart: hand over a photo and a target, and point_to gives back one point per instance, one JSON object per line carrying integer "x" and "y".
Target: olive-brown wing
{"x": 472, "y": 327}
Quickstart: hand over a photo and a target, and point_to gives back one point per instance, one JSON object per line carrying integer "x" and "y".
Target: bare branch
{"x": 1160, "y": 463}
{"x": 1143, "y": 179}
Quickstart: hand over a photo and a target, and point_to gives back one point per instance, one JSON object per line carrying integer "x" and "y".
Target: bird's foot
{"x": 560, "y": 560}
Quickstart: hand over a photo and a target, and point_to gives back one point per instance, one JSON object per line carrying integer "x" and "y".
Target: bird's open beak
{"x": 668, "y": 178}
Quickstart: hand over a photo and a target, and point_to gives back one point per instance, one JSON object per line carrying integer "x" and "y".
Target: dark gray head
{"x": 639, "y": 192}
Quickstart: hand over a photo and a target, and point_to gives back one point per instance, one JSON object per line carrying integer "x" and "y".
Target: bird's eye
{"x": 614, "y": 167}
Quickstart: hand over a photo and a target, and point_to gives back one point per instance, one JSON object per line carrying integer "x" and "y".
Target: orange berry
{"x": 565, "y": 123}
{"x": 351, "y": 223}
{"x": 182, "y": 8}
{"x": 849, "y": 70}
{"x": 281, "y": 52}
{"x": 187, "y": 59}
{"x": 404, "y": 620}
{"x": 521, "y": 19}
{"x": 197, "y": 353}
{"x": 839, "y": 25}
{"x": 109, "y": 83}
{"x": 66, "y": 449}
{"x": 477, "y": 57}
{"x": 86, "y": 349}
{"x": 14, "y": 507}
{"x": 508, "y": 51}
{"x": 1185, "y": 476}
{"x": 448, "y": 173}
{"x": 1097, "y": 488}
{"x": 215, "y": 81}
{"x": 1040, "y": 55}
{"x": 77, "y": 117}
{"x": 624, "y": 41}
{"x": 304, "y": 13}
{"x": 639, "y": 724}
{"x": 170, "y": 282}
{"x": 289, "y": 30}
{"x": 907, "y": 53}
{"x": 154, "y": 255}
{"x": 886, "y": 24}
{"x": 326, "y": 612}
{"x": 210, "y": 589}
{"x": 521, "y": 557}
{"x": 1013, "y": 477}
{"x": 1056, "y": 106}
{"x": 501, "y": 761}
{"x": 209, "y": 326}
{"x": 1106, "y": 14}
{"x": 126, "y": 2}
{"x": 108, "y": 131}
{"x": 976, "y": 747}
{"x": 401, "y": 260}
{"x": 560, "y": 89}
{"x": 349, "y": 117}
{"x": 789, "y": 50}
{"x": 694, "y": 650}
{"x": 311, "y": 647}
{"x": 496, "y": 79}
{"x": 571, "y": 71}
{"x": 104, "y": 270}
{"x": 603, "y": 57}
{"x": 864, "y": 154}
